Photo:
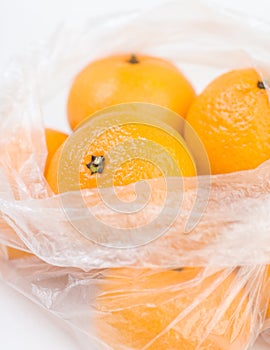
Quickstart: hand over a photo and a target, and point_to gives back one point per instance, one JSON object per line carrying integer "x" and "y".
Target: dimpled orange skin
{"x": 54, "y": 140}
{"x": 113, "y": 80}
{"x": 129, "y": 171}
{"x": 141, "y": 309}
{"x": 232, "y": 118}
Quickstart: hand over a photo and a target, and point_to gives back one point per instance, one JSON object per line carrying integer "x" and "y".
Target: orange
{"x": 127, "y": 149}
{"x": 268, "y": 290}
{"x": 174, "y": 309}
{"x": 232, "y": 119}
{"x": 54, "y": 139}
{"x": 128, "y": 78}
{"x": 12, "y": 253}
{"x": 17, "y": 254}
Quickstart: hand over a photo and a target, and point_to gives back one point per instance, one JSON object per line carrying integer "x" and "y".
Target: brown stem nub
{"x": 179, "y": 269}
{"x": 133, "y": 59}
{"x": 260, "y": 85}
{"x": 96, "y": 165}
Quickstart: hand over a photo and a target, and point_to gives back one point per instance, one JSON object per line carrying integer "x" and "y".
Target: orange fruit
{"x": 118, "y": 151}
{"x": 12, "y": 253}
{"x": 232, "y": 119}
{"x": 173, "y": 309}
{"x": 17, "y": 254}
{"x": 128, "y": 78}
{"x": 54, "y": 139}
{"x": 268, "y": 292}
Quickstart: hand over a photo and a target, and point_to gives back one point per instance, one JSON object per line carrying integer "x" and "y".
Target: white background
{"x": 22, "y": 324}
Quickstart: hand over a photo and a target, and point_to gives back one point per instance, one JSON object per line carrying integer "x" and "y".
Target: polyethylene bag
{"x": 195, "y": 275}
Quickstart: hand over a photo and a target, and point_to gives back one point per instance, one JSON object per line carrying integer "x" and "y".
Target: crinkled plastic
{"x": 219, "y": 233}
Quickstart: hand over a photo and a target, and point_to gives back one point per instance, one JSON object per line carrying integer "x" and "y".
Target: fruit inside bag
{"x": 137, "y": 308}
{"x": 190, "y": 266}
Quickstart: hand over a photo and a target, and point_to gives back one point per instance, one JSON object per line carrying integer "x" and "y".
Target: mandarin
{"x": 128, "y": 78}
{"x": 172, "y": 309}
{"x": 232, "y": 119}
{"x": 54, "y": 139}
{"x": 120, "y": 150}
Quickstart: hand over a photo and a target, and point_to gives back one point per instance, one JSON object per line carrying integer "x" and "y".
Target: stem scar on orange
{"x": 232, "y": 119}
{"x": 118, "y": 146}
{"x": 172, "y": 309}
{"x": 128, "y": 78}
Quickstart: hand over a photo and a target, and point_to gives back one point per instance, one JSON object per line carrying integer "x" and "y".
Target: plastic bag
{"x": 220, "y": 229}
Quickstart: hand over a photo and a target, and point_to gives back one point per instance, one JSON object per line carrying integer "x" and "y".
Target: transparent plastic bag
{"x": 222, "y": 222}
